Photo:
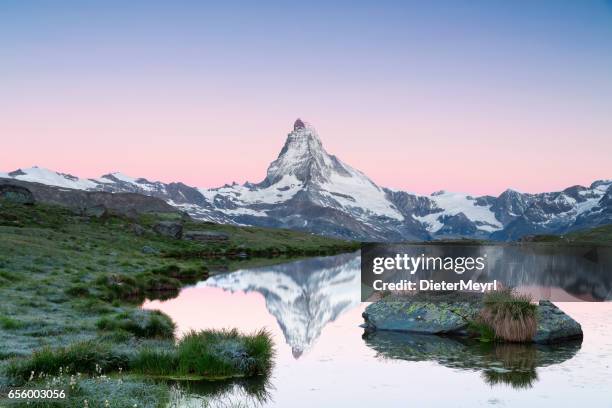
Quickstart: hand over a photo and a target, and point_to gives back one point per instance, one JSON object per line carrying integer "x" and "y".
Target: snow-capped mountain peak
{"x": 327, "y": 180}
{"x": 304, "y": 157}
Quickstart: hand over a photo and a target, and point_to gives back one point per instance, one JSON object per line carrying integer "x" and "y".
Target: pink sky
{"x": 421, "y": 153}
{"x": 420, "y": 97}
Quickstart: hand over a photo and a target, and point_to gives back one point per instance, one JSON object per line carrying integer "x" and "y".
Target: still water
{"x": 313, "y": 309}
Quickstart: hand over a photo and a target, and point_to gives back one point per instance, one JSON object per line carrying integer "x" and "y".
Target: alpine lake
{"x": 313, "y": 310}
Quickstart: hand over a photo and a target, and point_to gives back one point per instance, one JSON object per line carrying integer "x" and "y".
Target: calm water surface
{"x": 313, "y": 310}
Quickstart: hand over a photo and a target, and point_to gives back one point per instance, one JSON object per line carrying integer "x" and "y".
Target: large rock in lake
{"x": 453, "y": 318}
{"x": 420, "y": 316}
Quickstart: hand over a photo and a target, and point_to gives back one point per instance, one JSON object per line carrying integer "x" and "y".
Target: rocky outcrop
{"x": 206, "y": 236}
{"x": 169, "y": 229}
{"x": 149, "y": 250}
{"x": 91, "y": 203}
{"x": 17, "y": 194}
{"x": 453, "y": 318}
{"x": 97, "y": 211}
{"x": 137, "y": 229}
{"x": 298, "y": 124}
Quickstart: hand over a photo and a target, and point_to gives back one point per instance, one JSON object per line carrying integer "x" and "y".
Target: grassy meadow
{"x": 71, "y": 286}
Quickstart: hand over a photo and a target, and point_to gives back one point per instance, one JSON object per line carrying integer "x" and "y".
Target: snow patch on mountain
{"x": 122, "y": 177}
{"x": 45, "y": 176}
{"x": 279, "y": 192}
{"x": 455, "y": 203}
{"x": 357, "y": 191}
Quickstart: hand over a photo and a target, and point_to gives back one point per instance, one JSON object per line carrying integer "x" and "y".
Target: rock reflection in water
{"x": 500, "y": 363}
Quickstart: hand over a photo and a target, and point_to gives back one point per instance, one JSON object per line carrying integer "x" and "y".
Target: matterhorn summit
{"x": 298, "y": 124}
{"x": 304, "y": 158}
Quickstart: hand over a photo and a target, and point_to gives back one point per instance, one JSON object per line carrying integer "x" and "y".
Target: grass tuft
{"x": 78, "y": 290}
{"x": 87, "y": 357}
{"x": 10, "y": 324}
{"x": 140, "y": 323}
{"x": 512, "y": 317}
{"x": 210, "y": 354}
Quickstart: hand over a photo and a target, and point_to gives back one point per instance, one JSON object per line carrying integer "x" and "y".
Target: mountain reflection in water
{"x": 303, "y": 296}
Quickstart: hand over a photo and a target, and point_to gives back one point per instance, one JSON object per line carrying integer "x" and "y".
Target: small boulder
{"x": 137, "y": 229}
{"x": 205, "y": 236}
{"x": 169, "y": 228}
{"x": 96, "y": 211}
{"x": 148, "y": 250}
{"x": 554, "y": 325}
{"x": 16, "y": 194}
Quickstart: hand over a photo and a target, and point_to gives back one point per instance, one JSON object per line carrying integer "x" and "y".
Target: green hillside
{"x": 601, "y": 235}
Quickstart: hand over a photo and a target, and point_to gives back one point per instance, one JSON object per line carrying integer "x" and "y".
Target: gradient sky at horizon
{"x": 472, "y": 96}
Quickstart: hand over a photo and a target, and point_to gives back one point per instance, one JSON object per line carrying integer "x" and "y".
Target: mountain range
{"x": 308, "y": 189}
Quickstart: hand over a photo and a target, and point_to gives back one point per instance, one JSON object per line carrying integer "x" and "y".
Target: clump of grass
{"x": 141, "y": 323}
{"x": 172, "y": 270}
{"x": 155, "y": 361}
{"x": 120, "y": 286}
{"x": 184, "y": 275}
{"x": 482, "y": 331}
{"x": 93, "y": 306}
{"x": 160, "y": 283}
{"x": 8, "y": 323}
{"x": 88, "y": 357}
{"x": 511, "y": 316}
{"x": 6, "y": 277}
{"x": 225, "y": 352}
{"x": 160, "y": 287}
{"x": 210, "y": 354}
{"x": 78, "y": 290}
